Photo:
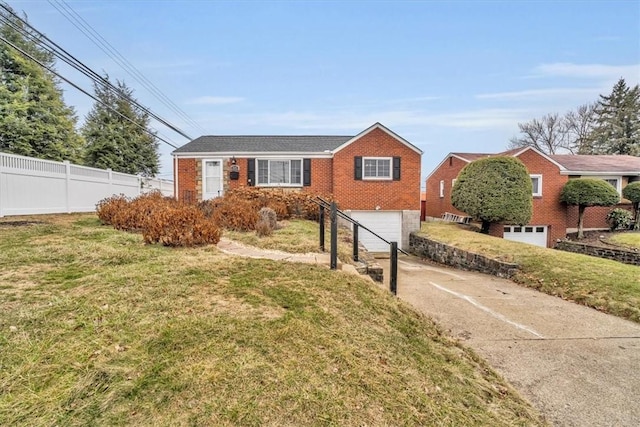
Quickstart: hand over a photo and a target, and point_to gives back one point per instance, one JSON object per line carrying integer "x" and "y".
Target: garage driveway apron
{"x": 578, "y": 366}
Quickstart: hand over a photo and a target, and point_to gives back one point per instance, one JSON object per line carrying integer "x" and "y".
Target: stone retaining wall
{"x": 620, "y": 255}
{"x": 456, "y": 257}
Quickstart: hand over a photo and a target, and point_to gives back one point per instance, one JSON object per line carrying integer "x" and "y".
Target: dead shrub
{"x": 234, "y": 213}
{"x": 108, "y": 207}
{"x": 286, "y": 203}
{"x": 180, "y": 225}
{"x": 264, "y": 228}
{"x": 268, "y": 215}
{"x": 133, "y": 216}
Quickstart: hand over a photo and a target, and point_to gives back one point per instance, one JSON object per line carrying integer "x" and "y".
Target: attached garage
{"x": 387, "y": 224}
{"x": 532, "y": 234}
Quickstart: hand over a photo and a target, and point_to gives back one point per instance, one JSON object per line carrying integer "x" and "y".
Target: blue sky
{"x": 445, "y": 75}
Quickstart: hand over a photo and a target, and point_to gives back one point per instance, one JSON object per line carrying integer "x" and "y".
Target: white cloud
{"x": 353, "y": 121}
{"x": 538, "y": 93}
{"x": 588, "y": 71}
{"x": 215, "y": 100}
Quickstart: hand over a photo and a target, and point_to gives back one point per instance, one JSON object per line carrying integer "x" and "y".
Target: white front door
{"x": 211, "y": 179}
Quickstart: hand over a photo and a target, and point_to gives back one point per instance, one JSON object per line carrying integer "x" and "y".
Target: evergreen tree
{"x": 585, "y": 192}
{"x": 494, "y": 189}
{"x": 617, "y": 129}
{"x": 115, "y": 133}
{"x": 34, "y": 121}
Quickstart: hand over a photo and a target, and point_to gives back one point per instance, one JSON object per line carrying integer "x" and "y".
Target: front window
{"x": 536, "y": 183}
{"x": 377, "y": 168}
{"x": 279, "y": 172}
{"x": 615, "y": 181}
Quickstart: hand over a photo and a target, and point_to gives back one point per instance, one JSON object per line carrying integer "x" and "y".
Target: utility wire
{"x": 27, "y": 55}
{"x": 81, "y": 24}
{"x": 71, "y": 60}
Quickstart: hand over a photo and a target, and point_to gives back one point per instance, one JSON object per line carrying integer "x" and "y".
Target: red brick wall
{"x": 189, "y": 179}
{"x": 594, "y": 217}
{"x": 186, "y": 179}
{"x": 449, "y": 170}
{"x": 547, "y": 209}
{"x": 366, "y": 194}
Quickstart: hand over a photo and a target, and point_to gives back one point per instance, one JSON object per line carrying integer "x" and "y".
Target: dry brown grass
{"x": 116, "y": 332}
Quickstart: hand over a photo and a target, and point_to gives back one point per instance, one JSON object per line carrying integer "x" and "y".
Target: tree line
{"x": 610, "y": 125}
{"x": 36, "y": 122}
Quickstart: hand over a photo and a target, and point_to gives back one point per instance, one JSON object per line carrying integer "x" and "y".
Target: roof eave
{"x": 245, "y": 154}
{"x": 380, "y": 126}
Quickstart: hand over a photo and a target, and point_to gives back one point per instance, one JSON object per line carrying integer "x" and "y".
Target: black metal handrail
{"x": 353, "y": 221}
{"x": 335, "y": 212}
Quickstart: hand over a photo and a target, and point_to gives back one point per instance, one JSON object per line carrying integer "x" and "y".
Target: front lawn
{"x": 630, "y": 239}
{"x": 606, "y": 285}
{"x": 97, "y": 328}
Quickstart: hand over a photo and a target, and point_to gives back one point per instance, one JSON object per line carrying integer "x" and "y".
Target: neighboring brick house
{"x": 551, "y": 219}
{"x": 374, "y": 176}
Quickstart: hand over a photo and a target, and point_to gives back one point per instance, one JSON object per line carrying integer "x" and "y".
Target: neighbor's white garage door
{"x": 388, "y": 224}
{"x": 532, "y": 234}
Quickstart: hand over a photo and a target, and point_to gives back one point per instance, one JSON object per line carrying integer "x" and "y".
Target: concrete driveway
{"x": 578, "y": 366}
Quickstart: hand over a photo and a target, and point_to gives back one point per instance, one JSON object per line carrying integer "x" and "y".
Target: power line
{"x": 83, "y": 26}
{"x": 71, "y": 60}
{"x": 27, "y": 55}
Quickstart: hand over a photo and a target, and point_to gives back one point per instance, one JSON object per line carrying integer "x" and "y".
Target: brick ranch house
{"x": 374, "y": 176}
{"x": 551, "y": 219}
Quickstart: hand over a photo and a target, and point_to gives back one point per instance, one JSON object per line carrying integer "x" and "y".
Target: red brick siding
{"x": 366, "y": 194}
{"x": 436, "y": 205}
{"x": 547, "y": 209}
{"x": 594, "y": 217}
{"x": 186, "y": 179}
{"x": 190, "y": 182}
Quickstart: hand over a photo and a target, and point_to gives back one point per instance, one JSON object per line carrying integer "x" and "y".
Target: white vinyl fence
{"x": 35, "y": 186}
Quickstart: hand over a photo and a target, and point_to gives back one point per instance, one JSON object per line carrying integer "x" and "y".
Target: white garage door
{"x": 387, "y": 224}
{"x": 532, "y": 234}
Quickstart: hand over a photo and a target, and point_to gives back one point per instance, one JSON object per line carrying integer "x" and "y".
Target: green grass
{"x": 630, "y": 239}
{"x": 99, "y": 329}
{"x": 606, "y": 285}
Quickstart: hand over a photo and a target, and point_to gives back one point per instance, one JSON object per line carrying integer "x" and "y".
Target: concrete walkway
{"x": 578, "y": 366}
{"x": 232, "y": 247}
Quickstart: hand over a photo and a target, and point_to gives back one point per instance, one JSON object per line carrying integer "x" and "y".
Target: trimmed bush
{"x": 234, "y": 213}
{"x": 107, "y": 208}
{"x": 632, "y": 192}
{"x": 494, "y": 190}
{"x": 585, "y": 192}
{"x": 619, "y": 219}
{"x": 133, "y": 216}
{"x": 183, "y": 225}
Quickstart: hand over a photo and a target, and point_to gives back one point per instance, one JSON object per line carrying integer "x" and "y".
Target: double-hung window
{"x": 536, "y": 183}
{"x": 279, "y": 172}
{"x": 615, "y": 181}
{"x": 376, "y": 168}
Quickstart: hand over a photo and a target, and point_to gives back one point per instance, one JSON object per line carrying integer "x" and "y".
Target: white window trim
{"x": 378, "y": 178}
{"x": 618, "y": 178}
{"x": 539, "y": 177}
{"x": 279, "y": 184}
{"x": 453, "y": 182}
{"x": 204, "y": 176}
{"x": 442, "y": 188}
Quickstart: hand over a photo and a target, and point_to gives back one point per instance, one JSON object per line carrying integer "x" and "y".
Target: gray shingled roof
{"x": 263, "y": 144}
{"x": 598, "y": 163}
